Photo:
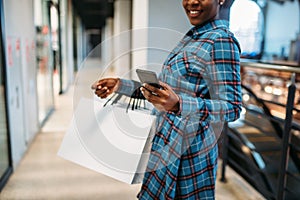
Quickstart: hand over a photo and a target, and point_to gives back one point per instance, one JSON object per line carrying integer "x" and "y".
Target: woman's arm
{"x": 128, "y": 87}
{"x": 222, "y": 76}
{"x": 106, "y": 86}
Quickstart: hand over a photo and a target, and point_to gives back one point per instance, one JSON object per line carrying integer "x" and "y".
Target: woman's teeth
{"x": 194, "y": 12}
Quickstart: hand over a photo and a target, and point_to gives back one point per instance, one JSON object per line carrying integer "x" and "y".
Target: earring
{"x": 221, "y": 3}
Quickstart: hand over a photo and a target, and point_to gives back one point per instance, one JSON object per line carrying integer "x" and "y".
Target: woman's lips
{"x": 194, "y": 13}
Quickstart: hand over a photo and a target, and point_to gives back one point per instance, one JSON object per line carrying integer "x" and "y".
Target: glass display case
{"x": 263, "y": 145}
{"x": 269, "y": 81}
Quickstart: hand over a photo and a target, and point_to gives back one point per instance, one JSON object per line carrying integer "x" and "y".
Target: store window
{"x": 5, "y": 163}
{"x": 247, "y": 22}
{"x": 4, "y": 148}
{"x": 45, "y": 60}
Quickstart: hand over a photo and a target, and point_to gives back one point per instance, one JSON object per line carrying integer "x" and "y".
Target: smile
{"x": 194, "y": 13}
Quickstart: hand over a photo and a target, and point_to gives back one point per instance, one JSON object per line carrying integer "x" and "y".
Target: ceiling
{"x": 93, "y": 12}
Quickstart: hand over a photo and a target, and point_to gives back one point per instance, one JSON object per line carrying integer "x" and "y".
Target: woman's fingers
{"x": 105, "y": 87}
{"x": 151, "y": 88}
{"x": 146, "y": 92}
{"x": 99, "y": 84}
{"x": 103, "y": 92}
{"x": 150, "y": 95}
{"x": 95, "y": 85}
{"x": 164, "y": 99}
{"x": 165, "y": 86}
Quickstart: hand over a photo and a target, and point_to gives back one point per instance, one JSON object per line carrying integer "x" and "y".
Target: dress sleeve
{"x": 222, "y": 77}
{"x": 128, "y": 87}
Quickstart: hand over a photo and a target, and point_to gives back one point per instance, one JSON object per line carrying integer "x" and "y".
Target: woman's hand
{"x": 104, "y": 87}
{"x": 163, "y": 99}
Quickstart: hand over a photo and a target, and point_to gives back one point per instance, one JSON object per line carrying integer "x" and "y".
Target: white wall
{"x": 122, "y": 38}
{"x": 168, "y": 23}
{"x": 282, "y": 26}
{"x": 106, "y": 43}
{"x": 140, "y": 24}
{"x": 157, "y": 26}
{"x": 153, "y": 34}
{"x": 67, "y": 42}
{"x": 80, "y": 40}
{"x": 168, "y": 14}
{"x": 21, "y": 74}
{"x": 70, "y": 45}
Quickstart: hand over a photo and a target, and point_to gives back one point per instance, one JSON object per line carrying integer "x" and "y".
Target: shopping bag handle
{"x": 136, "y": 98}
{"x": 135, "y": 101}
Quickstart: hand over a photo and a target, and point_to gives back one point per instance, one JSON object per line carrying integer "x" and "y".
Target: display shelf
{"x": 269, "y": 81}
{"x": 263, "y": 144}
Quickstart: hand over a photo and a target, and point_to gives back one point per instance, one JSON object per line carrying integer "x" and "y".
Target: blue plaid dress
{"x": 204, "y": 70}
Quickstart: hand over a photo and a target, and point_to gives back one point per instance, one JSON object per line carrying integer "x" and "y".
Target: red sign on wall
{"x": 9, "y": 52}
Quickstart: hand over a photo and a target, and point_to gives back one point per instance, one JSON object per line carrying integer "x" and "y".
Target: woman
{"x": 201, "y": 87}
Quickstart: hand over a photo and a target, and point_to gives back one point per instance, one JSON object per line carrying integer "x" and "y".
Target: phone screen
{"x": 149, "y": 77}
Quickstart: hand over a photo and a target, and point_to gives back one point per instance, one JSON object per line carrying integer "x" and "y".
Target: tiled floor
{"x": 44, "y": 175}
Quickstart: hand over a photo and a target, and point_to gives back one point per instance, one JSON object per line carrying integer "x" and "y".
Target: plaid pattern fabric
{"x": 204, "y": 71}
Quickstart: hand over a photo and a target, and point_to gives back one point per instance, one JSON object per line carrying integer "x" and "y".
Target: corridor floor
{"x": 44, "y": 175}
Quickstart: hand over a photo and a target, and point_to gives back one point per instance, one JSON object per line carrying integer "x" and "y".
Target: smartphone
{"x": 148, "y": 77}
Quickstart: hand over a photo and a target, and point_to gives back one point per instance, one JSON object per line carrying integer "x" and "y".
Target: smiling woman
{"x": 200, "y": 81}
{"x": 199, "y": 13}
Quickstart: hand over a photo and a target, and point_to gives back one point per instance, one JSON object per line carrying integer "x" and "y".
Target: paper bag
{"x": 108, "y": 140}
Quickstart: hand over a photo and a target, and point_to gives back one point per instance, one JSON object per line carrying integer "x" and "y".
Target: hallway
{"x": 44, "y": 175}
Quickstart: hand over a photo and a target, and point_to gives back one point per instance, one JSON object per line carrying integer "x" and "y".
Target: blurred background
{"x": 46, "y": 44}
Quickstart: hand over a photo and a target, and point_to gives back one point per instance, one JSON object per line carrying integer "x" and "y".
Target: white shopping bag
{"x": 108, "y": 140}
